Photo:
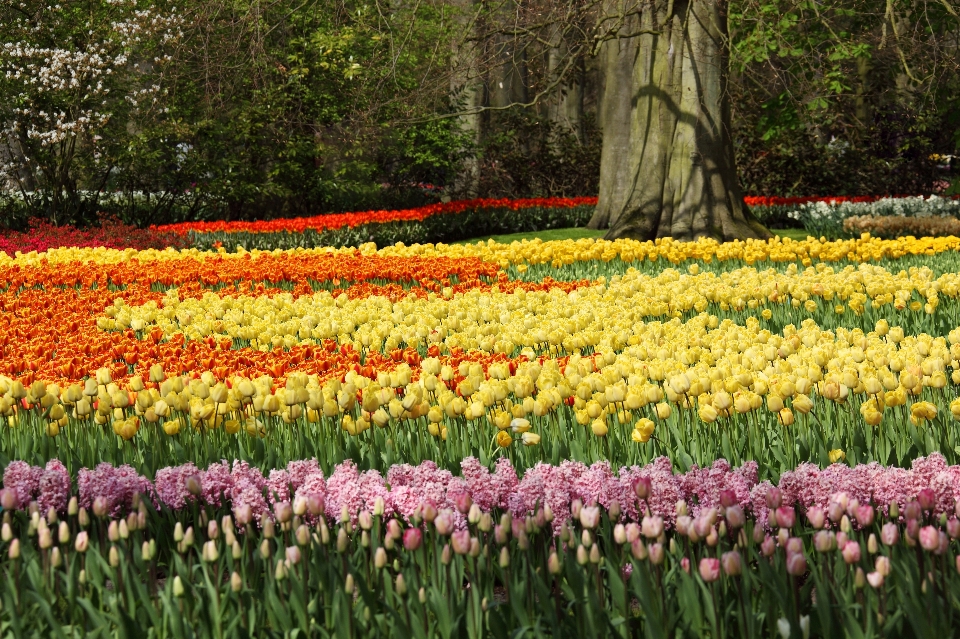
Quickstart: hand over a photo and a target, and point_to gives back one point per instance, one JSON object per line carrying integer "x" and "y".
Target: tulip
{"x": 444, "y": 523}
{"x": 851, "y": 552}
{"x": 824, "y": 541}
{"x": 412, "y": 537}
{"x": 620, "y": 534}
{"x": 872, "y": 546}
{"x": 401, "y": 585}
{"x": 796, "y": 564}
{"x": 6, "y": 532}
{"x": 929, "y": 538}
{"x": 816, "y": 517}
{"x": 652, "y": 526}
{"x": 890, "y": 534}
{"x": 642, "y": 487}
{"x": 735, "y": 517}
{"x": 875, "y": 579}
{"x": 460, "y": 540}
{"x": 590, "y": 517}
{"x": 82, "y": 542}
{"x": 786, "y": 517}
{"x": 709, "y": 569}
{"x": 657, "y": 554}
{"x": 864, "y": 515}
{"x": 236, "y": 582}
{"x": 553, "y": 564}
{"x": 883, "y": 565}
{"x": 638, "y": 549}
{"x": 768, "y": 546}
{"x": 732, "y": 563}
{"x": 178, "y": 589}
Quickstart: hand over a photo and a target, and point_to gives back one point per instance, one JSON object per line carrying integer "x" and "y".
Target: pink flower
{"x": 590, "y": 517}
{"x": 460, "y": 540}
{"x": 732, "y": 563}
{"x": 816, "y": 517}
{"x": 54, "y": 487}
{"x": 890, "y": 534}
{"x": 875, "y": 579}
{"x": 709, "y": 569}
{"x": 24, "y": 480}
{"x": 796, "y": 564}
{"x": 412, "y": 537}
{"x": 929, "y": 538}
{"x": 851, "y": 552}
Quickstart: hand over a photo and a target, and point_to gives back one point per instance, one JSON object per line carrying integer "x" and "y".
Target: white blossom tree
{"x": 76, "y": 76}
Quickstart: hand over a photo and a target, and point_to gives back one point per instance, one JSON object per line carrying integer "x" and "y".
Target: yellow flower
{"x": 530, "y": 439}
{"x": 837, "y": 455}
{"x": 503, "y": 439}
{"x": 599, "y": 428}
{"x": 766, "y": 314}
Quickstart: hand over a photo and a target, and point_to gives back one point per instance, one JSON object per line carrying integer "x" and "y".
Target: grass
{"x": 580, "y": 233}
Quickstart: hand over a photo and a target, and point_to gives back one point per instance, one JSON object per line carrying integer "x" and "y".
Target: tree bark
{"x": 667, "y": 165}
{"x": 466, "y": 94}
{"x": 564, "y": 109}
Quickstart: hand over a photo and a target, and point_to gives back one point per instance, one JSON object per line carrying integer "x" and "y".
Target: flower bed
{"x": 438, "y": 439}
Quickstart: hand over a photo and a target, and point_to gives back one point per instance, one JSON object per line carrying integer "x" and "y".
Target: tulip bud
{"x": 851, "y": 552}
{"x": 582, "y": 556}
{"x": 595, "y": 554}
{"x": 265, "y": 548}
{"x": 178, "y": 532}
{"x": 446, "y": 555}
{"x": 280, "y": 573}
{"x": 188, "y": 537}
{"x": 732, "y": 563}
{"x": 55, "y": 557}
{"x": 768, "y": 546}
{"x": 379, "y": 558}
{"x": 293, "y": 555}
{"x": 657, "y": 554}
{"x": 412, "y": 537}
{"x": 269, "y": 528}
{"x": 816, "y": 517}
{"x": 6, "y": 532}
{"x": 114, "y": 557}
{"x": 422, "y": 595}
{"x": 213, "y": 530}
{"x": 63, "y": 533}
{"x": 145, "y": 551}
{"x": 177, "y": 587}
{"x": 796, "y": 564}
{"x": 113, "y": 531}
{"x": 236, "y": 582}
{"x": 83, "y": 518}
{"x": 890, "y": 534}
{"x": 553, "y": 564}
{"x": 859, "y": 579}
{"x": 210, "y": 552}
{"x": 620, "y": 534}
{"x": 872, "y": 546}
{"x": 72, "y": 506}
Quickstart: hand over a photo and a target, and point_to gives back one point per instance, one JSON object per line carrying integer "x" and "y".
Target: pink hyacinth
{"x": 54, "y": 487}
{"x": 24, "y": 480}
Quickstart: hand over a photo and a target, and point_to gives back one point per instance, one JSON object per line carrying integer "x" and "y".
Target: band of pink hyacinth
{"x": 631, "y": 492}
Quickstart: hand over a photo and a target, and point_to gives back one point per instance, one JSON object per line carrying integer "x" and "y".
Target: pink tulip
{"x": 816, "y": 517}
{"x": 727, "y": 498}
{"x": 709, "y": 569}
{"x": 912, "y": 510}
{"x": 460, "y": 540}
{"x": 638, "y": 550}
{"x": 875, "y": 579}
{"x": 851, "y": 552}
{"x": 657, "y": 554}
{"x": 796, "y": 564}
{"x": 929, "y": 538}
{"x": 735, "y": 517}
{"x": 768, "y": 547}
{"x": 293, "y": 554}
{"x": 774, "y": 498}
{"x": 927, "y": 499}
{"x": 642, "y": 486}
{"x": 590, "y": 517}
{"x": 890, "y": 534}
{"x": 864, "y": 515}
{"x": 444, "y": 523}
{"x": 412, "y": 538}
{"x": 732, "y": 563}
{"x": 633, "y": 532}
{"x": 786, "y": 517}
{"x": 824, "y": 541}
{"x": 685, "y": 565}
{"x": 953, "y": 528}
{"x": 794, "y": 545}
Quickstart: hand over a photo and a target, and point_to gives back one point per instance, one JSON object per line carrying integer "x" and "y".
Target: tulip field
{"x": 566, "y": 439}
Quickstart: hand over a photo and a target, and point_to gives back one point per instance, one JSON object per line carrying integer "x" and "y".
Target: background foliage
{"x": 257, "y": 109}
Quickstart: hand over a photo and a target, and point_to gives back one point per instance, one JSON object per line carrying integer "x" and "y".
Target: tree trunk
{"x": 466, "y": 94}
{"x": 564, "y": 109}
{"x": 667, "y": 166}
